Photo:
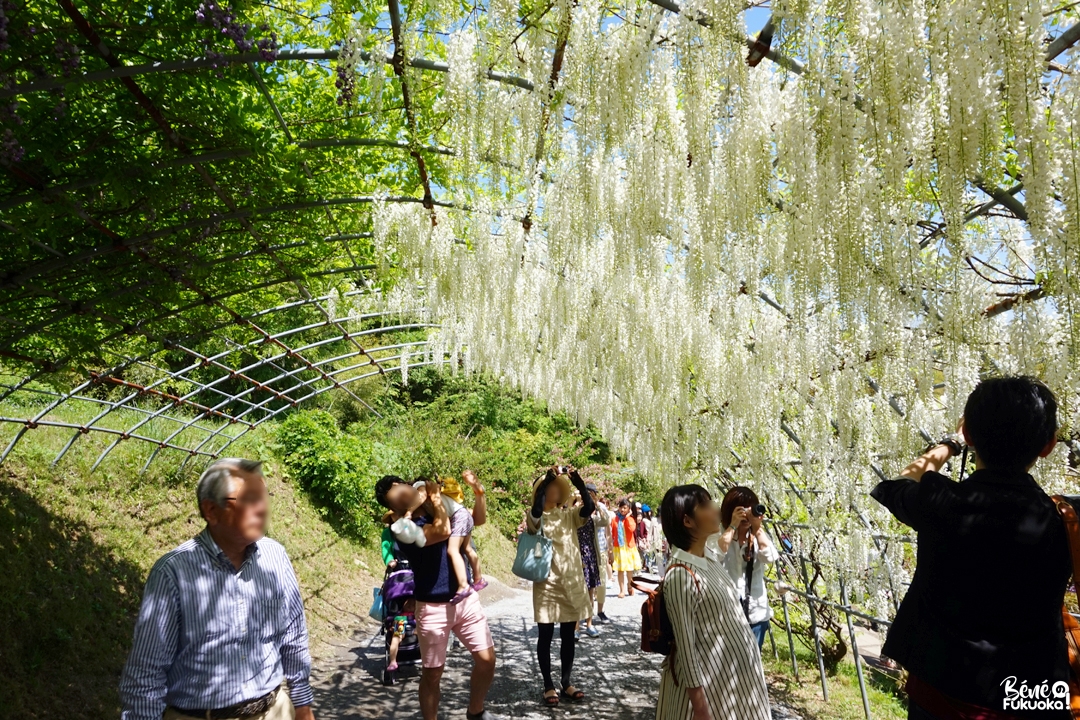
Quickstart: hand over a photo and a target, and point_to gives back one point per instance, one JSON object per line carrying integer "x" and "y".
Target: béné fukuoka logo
{"x": 1036, "y": 696}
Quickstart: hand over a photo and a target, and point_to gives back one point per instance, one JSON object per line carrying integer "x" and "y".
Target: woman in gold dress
{"x": 562, "y": 598}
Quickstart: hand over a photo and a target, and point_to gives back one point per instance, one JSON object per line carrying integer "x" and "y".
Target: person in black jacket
{"x": 982, "y": 620}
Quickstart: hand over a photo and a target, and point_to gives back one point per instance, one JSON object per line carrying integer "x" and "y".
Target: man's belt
{"x": 245, "y": 709}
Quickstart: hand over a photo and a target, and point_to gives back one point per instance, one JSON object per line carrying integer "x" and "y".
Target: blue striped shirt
{"x": 210, "y": 636}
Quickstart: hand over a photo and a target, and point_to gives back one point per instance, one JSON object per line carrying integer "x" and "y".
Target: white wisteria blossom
{"x": 787, "y": 279}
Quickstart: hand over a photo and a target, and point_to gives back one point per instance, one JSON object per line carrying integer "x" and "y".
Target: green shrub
{"x": 440, "y": 424}
{"x": 336, "y": 469}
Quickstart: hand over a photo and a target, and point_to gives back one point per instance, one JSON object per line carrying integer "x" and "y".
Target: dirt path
{"x": 621, "y": 680}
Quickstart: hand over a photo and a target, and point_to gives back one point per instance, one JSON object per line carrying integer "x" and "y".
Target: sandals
{"x": 461, "y": 595}
{"x": 575, "y": 696}
{"x": 478, "y": 586}
{"x": 550, "y": 700}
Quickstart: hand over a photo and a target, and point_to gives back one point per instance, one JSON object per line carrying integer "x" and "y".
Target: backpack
{"x": 1067, "y": 510}
{"x": 657, "y": 636}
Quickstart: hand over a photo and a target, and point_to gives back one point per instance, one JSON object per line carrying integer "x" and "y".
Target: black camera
{"x": 758, "y": 510}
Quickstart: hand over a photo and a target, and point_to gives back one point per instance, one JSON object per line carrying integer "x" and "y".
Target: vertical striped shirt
{"x": 714, "y": 648}
{"x": 209, "y": 636}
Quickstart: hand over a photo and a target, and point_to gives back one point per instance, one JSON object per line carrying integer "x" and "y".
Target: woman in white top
{"x": 747, "y": 549}
{"x": 714, "y": 672}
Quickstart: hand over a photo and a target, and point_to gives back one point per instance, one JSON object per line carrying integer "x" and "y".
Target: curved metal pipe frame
{"x": 184, "y": 376}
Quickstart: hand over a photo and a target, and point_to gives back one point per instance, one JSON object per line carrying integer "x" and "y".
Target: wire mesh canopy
{"x": 780, "y": 258}
{"x": 239, "y": 301}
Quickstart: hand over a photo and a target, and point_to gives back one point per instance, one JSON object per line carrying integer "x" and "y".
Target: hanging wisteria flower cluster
{"x": 761, "y": 275}
{"x": 68, "y": 55}
{"x": 10, "y": 150}
{"x": 5, "y": 8}
{"x": 348, "y": 60}
{"x": 227, "y": 23}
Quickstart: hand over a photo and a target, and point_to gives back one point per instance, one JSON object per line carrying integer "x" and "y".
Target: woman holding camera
{"x": 747, "y": 549}
{"x": 562, "y": 599}
{"x": 714, "y": 671}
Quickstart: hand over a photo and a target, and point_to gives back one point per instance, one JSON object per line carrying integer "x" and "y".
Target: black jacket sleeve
{"x": 537, "y": 509}
{"x": 902, "y": 497}
{"x": 587, "y": 504}
{"x": 910, "y": 502}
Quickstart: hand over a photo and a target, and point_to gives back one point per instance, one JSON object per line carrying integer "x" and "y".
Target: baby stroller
{"x": 397, "y": 592}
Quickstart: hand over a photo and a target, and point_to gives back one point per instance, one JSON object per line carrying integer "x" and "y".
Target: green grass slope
{"x": 75, "y": 548}
{"x": 845, "y": 699}
{"x": 76, "y": 543}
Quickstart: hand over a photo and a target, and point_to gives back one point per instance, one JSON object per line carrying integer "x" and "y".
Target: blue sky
{"x": 756, "y": 18}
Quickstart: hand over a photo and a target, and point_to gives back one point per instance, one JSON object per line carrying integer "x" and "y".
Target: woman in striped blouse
{"x": 715, "y": 670}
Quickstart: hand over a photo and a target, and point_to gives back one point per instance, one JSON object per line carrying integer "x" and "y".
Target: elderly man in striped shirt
{"x": 221, "y": 632}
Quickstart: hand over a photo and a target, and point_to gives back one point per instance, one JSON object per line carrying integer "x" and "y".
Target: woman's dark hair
{"x": 382, "y": 487}
{"x": 1010, "y": 420}
{"x": 737, "y": 496}
{"x": 678, "y": 502}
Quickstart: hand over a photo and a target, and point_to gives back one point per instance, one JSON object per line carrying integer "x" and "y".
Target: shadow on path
{"x": 621, "y": 681}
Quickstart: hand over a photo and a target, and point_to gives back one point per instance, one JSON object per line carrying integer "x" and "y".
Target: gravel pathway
{"x": 621, "y": 681}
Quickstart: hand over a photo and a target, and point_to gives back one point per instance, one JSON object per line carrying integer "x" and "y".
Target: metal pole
{"x": 814, "y": 630}
{"x": 790, "y": 641}
{"x": 772, "y": 641}
{"x": 855, "y": 651}
{"x": 838, "y": 606}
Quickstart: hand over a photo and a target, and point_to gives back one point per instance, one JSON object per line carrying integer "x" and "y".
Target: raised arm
{"x": 767, "y": 551}
{"x": 588, "y": 506}
{"x": 935, "y": 457}
{"x": 157, "y": 633}
{"x": 537, "y": 509}
{"x": 479, "y": 511}
{"x": 930, "y": 461}
{"x": 738, "y": 514}
{"x": 902, "y": 496}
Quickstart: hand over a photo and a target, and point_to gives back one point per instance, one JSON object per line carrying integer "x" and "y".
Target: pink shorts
{"x": 435, "y": 622}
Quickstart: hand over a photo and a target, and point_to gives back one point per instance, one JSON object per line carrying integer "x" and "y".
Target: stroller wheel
{"x": 389, "y": 677}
